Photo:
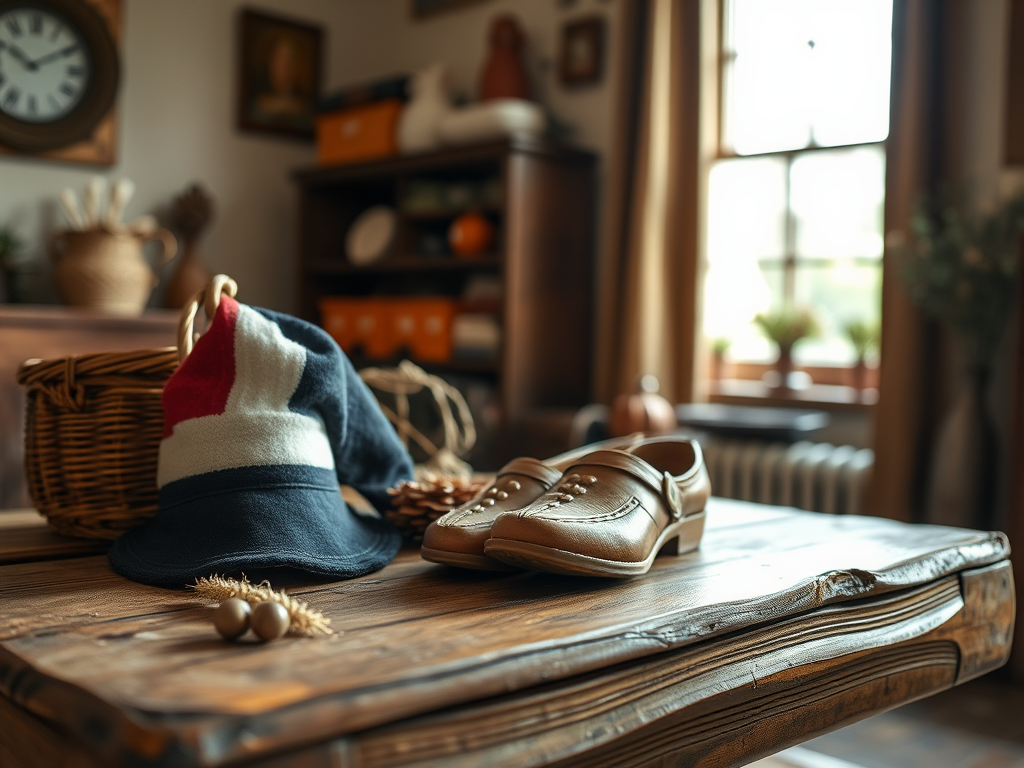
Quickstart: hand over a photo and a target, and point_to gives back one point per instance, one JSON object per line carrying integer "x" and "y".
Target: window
{"x": 795, "y": 199}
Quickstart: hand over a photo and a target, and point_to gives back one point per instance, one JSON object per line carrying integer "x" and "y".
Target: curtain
{"x": 909, "y": 399}
{"x": 648, "y": 288}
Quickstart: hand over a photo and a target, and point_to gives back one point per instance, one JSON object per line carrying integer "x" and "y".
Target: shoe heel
{"x": 670, "y": 547}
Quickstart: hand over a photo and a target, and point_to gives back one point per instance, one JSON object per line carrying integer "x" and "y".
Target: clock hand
{"x": 17, "y": 53}
{"x": 66, "y": 51}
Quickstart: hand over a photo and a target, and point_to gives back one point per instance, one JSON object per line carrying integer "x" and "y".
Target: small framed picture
{"x": 422, "y": 9}
{"x": 279, "y": 74}
{"x": 582, "y": 55}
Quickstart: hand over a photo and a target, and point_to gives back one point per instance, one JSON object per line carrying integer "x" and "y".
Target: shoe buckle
{"x": 671, "y": 493}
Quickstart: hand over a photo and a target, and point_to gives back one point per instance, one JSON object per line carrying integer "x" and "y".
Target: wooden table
{"x": 784, "y": 625}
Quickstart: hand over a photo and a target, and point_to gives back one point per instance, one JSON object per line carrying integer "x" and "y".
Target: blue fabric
{"x": 367, "y": 452}
{"x": 256, "y": 521}
{"x": 282, "y": 519}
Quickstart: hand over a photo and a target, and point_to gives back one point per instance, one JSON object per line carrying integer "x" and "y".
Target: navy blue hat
{"x": 261, "y": 423}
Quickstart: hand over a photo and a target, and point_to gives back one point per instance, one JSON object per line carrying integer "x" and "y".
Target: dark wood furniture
{"x": 543, "y": 256}
{"x": 48, "y": 332}
{"x": 754, "y": 422}
{"x": 784, "y": 625}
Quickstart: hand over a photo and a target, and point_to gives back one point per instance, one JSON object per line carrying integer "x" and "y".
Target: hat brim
{"x": 256, "y": 521}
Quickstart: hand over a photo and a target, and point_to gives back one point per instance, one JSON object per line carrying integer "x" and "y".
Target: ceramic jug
{"x": 429, "y": 103}
{"x": 106, "y": 270}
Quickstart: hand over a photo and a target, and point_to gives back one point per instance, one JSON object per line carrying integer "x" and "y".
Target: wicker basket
{"x": 93, "y": 428}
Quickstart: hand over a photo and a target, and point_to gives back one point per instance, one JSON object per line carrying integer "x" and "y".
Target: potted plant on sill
{"x": 719, "y": 346}
{"x": 864, "y": 339}
{"x": 785, "y": 327}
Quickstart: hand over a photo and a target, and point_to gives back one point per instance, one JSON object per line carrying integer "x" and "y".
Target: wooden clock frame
{"x": 98, "y": 145}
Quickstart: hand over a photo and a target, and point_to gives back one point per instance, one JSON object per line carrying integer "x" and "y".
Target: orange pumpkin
{"x": 471, "y": 234}
{"x": 642, "y": 411}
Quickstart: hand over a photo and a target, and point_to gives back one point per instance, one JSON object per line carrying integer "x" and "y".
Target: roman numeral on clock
{"x": 35, "y": 24}
{"x": 14, "y": 25}
{"x": 68, "y": 89}
{"x": 11, "y": 98}
{"x": 74, "y": 70}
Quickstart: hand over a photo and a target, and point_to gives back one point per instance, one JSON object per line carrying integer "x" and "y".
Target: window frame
{"x": 789, "y": 260}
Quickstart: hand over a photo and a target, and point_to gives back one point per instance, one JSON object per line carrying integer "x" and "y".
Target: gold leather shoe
{"x": 610, "y": 513}
{"x": 457, "y": 537}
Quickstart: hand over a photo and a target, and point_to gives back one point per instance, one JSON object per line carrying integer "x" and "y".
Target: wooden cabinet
{"x": 540, "y": 199}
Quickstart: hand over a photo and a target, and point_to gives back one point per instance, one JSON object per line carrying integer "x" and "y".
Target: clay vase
{"x": 784, "y": 367}
{"x": 429, "y": 102}
{"x": 191, "y": 276}
{"x": 106, "y": 271}
{"x": 963, "y": 475}
{"x": 504, "y": 76}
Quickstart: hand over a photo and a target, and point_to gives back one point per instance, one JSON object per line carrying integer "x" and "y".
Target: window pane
{"x": 730, "y": 306}
{"x": 746, "y": 223}
{"x": 747, "y": 211}
{"x": 838, "y": 293}
{"x": 806, "y": 72}
{"x": 837, "y": 199}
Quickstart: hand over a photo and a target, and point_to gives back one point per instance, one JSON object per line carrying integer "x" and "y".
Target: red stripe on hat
{"x": 201, "y": 385}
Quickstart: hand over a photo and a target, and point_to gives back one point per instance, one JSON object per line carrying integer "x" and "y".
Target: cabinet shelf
{"x": 411, "y": 263}
{"x": 542, "y": 257}
{"x": 450, "y": 213}
{"x": 456, "y": 365}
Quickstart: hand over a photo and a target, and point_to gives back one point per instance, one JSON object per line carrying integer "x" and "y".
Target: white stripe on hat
{"x": 257, "y": 428}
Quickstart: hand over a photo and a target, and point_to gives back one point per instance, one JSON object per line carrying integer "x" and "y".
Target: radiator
{"x": 814, "y": 476}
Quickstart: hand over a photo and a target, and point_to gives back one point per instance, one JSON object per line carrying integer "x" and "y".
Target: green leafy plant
{"x": 12, "y": 268}
{"x": 787, "y": 326}
{"x": 959, "y": 267}
{"x": 720, "y": 345}
{"x": 864, "y": 338}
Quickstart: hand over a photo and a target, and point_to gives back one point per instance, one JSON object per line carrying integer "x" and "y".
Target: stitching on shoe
{"x": 630, "y": 506}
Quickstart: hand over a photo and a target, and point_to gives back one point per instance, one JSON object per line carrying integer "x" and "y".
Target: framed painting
{"x": 582, "y": 56}
{"x": 422, "y": 9}
{"x": 279, "y": 74}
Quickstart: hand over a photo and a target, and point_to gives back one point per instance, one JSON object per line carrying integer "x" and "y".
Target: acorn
{"x": 231, "y": 618}
{"x": 270, "y": 620}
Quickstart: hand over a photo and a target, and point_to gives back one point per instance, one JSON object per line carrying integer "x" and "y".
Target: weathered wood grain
{"x": 137, "y": 674}
{"x": 25, "y": 537}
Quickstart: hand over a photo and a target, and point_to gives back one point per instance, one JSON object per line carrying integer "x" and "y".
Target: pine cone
{"x": 192, "y": 211}
{"x": 416, "y": 504}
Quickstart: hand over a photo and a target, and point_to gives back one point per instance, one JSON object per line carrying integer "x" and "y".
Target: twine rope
{"x": 459, "y": 429}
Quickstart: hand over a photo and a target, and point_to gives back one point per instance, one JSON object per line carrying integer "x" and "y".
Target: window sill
{"x": 829, "y": 397}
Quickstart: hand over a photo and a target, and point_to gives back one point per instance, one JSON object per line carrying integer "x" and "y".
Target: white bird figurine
{"x": 69, "y": 202}
{"x": 120, "y": 194}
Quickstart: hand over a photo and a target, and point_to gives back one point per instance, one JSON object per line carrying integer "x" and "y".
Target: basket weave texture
{"x": 92, "y": 433}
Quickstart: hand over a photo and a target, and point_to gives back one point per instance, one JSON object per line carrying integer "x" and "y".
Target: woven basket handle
{"x": 209, "y": 299}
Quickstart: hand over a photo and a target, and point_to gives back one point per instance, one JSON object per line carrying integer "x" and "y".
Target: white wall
{"x": 176, "y": 123}
{"x": 176, "y": 116}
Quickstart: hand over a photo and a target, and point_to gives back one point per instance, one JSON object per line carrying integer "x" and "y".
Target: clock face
{"x": 45, "y": 66}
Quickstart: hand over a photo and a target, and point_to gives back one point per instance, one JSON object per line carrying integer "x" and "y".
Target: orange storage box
{"x": 359, "y": 325}
{"x": 339, "y": 320}
{"x": 423, "y": 327}
{"x": 358, "y": 133}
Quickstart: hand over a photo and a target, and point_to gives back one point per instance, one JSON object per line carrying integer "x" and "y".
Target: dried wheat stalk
{"x": 304, "y": 620}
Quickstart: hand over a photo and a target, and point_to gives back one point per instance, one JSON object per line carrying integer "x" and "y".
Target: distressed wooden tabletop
{"x": 797, "y": 621}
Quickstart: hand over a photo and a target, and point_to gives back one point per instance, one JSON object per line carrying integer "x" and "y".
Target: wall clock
{"x": 59, "y": 73}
